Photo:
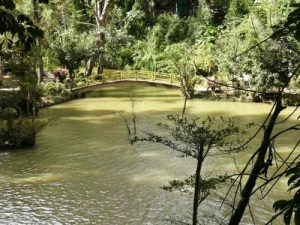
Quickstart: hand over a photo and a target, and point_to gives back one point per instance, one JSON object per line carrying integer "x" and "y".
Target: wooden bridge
{"x": 113, "y": 76}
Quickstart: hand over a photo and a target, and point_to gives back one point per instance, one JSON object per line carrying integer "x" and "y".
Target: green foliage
{"x": 188, "y": 137}
{"x": 136, "y": 23}
{"x": 265, "y": 68}
{"x": 21, "y": 134}
{"x": 138, "y": 18}
{"x": 53, "y": 88}
{"x": 168, "y": 30}
{"x": 291, "y": 25}
{"x": 238, "y": 9}
{"x": 15, "y": 132}
{"x": 291, "y": 207}
{"x": 72, "y": 48}
{"x": 178, "y": 59}
{"x": 9, "y": 4}
{"x": 54, "y": 92}
{"x": 26, "y": 100}
{"x": 16, "y": 28}
{"x": 119, "y": 49}
{"x": 145, "y": 55}
{"x": 207, "y": 185}
{"x": 9, "y": 100}
{"x": 216, "y": 11}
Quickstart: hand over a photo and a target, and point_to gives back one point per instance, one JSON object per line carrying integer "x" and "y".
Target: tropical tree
{"x": 273, "y": 75}
{"x": 37, "y": 19}
{"x": 17, "y": 29}
{"x": 18, "y": 34}
{"x": 100, "y": 11}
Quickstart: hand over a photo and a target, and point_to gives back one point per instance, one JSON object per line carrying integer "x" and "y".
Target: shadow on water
{"x": 91, "y": 120}
{"x": 138, "y": 91}
{"x": 74, "y": 112}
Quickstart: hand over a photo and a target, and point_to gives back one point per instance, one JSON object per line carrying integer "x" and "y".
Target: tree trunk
{"x": 184, "y": 106}
{"x": 257, "y": 168}
{"x": 197, "y": 191}
{"x": 40, "y": 69}
{"x": 100, "y": 67}
{"x": 40, "y": 66}
{"x": 101, "y": 57}
{"x": 89, "y": 66}
{"x": 1, "y": 75}
{"x": 101, "y": 14}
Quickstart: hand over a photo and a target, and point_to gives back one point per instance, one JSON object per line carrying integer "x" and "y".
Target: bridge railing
{"x": 110, "y": 75}
{"x": 113, "y": 75}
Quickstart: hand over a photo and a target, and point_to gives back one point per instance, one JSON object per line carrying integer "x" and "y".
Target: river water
{"x": 83, "y": 171}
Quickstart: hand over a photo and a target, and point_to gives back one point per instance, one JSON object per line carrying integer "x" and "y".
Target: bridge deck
{"x": 94, "y": 86}
{"x": 152, "y": 78}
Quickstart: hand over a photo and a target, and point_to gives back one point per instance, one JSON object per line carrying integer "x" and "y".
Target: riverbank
{"x": 289, "y": 99}
{"x": 21, "y": 133}
{"x": 65, "y": 95}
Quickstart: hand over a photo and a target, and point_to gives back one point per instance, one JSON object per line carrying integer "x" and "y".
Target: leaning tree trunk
{"x": 258, "y": 167}
{"x": 89, "y": 66}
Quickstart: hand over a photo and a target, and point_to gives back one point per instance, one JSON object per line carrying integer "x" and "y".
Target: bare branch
{"x": 289, "y": 116}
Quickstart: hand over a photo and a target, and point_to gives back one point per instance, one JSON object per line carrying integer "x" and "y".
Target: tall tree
{"x": 37, "y": 19}
{"x": 283, "y": 66}
{"x": 100, "y": 12}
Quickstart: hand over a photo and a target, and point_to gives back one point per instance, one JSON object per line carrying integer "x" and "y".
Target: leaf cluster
{"x": 16, "y": 28}
{"x": 292, "y": 206}
{"x": 196, "y": 139}
{"x": 206, "y": 185}
{"x": 291, "y": 25}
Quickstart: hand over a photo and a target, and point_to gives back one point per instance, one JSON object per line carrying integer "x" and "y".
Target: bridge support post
{"x": 136, "y": 75}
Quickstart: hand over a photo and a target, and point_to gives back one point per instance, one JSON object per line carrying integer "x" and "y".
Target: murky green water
{"x": 83, "y": 171}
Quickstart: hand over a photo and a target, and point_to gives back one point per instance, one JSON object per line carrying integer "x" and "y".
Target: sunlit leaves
{"x": 19, "y": 28}
{"x": 292, "y": 206}
{"x": 291, "y": 25}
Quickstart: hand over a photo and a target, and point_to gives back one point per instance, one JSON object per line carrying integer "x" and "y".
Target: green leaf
{"x": 9, "y": 4}
{"x": 295, "y": 185}
{"x": 293, "y": 170}
{"x": 281, "y": 204}
{"x": 288, "y": 216}
{"x": 293, "y": 178}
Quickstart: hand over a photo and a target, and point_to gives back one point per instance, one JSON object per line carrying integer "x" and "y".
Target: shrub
{"x": 53, "y": 88}
{"x": 61, "y": 74}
